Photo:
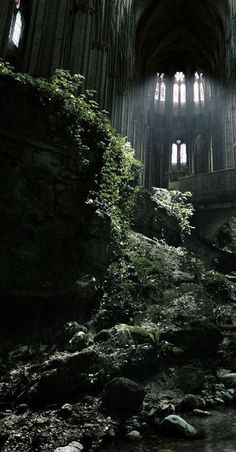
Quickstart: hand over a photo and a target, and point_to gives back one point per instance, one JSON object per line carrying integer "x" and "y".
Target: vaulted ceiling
{"x": 182, "y": 35}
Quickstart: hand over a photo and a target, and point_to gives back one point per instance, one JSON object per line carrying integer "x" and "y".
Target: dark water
{"x": 220, "y": 430}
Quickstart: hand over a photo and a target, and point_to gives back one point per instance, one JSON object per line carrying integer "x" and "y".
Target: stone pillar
{"x": 98, "y": 70}
{"x": 6, "y": 12}
{"x": 47, "y": 36}
{"x": 81, "y": 37}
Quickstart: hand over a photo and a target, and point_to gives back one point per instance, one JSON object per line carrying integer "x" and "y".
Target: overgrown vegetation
{"x": 88, "y": 129}
{"x": 227, "y": 236}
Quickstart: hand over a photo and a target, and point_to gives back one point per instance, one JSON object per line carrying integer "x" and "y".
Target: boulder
{"x": 78, "y": 342}
{"x": 176, "y": 426}
{"x": 73, "y": 447}
{"x": 197, "y": 339}
{"x": 192, "y": 402}
{"x": 69, "y": 330}
{"x": 85, "y": 287}
{"x": 123, "y": 395}
{"x": 229, "y": 380}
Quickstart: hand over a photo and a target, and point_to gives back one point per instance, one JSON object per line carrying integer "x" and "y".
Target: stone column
{"x": 47, "y": 36}
{"x": 82, "y": 28}
{"x": 6, "y": 12}
{"x": 98, "y": 70}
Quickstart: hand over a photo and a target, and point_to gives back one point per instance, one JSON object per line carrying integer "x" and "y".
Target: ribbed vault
{"x": 186, "y": 34}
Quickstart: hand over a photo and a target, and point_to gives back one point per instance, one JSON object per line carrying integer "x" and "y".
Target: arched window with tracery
{"x": 179, "y": 89}
{"x": 17, "y": 25}
{"x": 198, "y": 89}
{"x": 160, "y": 91}
{"x": 179, "y": 157}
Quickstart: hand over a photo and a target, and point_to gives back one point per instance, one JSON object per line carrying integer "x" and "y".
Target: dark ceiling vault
{"x": 183, "y": 35}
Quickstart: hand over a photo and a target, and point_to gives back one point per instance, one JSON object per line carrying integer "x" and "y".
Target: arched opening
{"x": 183, "y": 40}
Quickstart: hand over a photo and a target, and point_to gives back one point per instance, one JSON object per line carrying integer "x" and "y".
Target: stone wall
{"x": 50, "y": 234}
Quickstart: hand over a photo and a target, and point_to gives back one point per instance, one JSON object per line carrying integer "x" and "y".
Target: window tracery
{"x": 160, "y": 91}
{"x": 178, "y": 156}
{"x": 198, "y": 89}
{"x": 179, "y": 89}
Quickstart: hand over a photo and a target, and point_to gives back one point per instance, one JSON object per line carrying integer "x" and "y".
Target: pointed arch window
{"x": 179, "y": 157}
{"x": 179, "y": 89}
{"x": 160, "y": 91}
{"x": 17, "y": 25}
{"x": 198, "y": 89}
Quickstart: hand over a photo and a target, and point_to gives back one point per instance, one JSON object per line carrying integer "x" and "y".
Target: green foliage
{"x": 119, "y": 181}
{"x": 227, "y": 236}
{"x": 217, "y": 283}
{"x": 182, "y": 209}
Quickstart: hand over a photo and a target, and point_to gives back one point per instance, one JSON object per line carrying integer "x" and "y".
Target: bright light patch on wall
{"x": 17, "y": 31}
{"x": 176, "y": 93}
{"x": 198, "y": 89}
{"x": 174, "y": 155}
{"x": 183, "y": 93}
{"x": 183, "y": 154}
{"x": 160, "y": 91}
{"x": 163, "y": 92}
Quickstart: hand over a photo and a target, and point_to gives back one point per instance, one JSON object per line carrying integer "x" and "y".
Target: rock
{"x": 201, "y": 413}
{"x": 85, "y": 288}
{"x": 123, "y": 395}
{"x": 192, "y": 402}
{"x": 227, "y": 397}
{"x": 229, "y": 380}
{"x": 176, "y": 426}
{"x": 66, "y": 410}
{"x": 181, "y": 277}
{"x": 154, "y": 216}
{"x": 69, "y": 330}
{"x": 158, "y": 414}
{"x": 73, "y": 447}
{"x": 21, "y": 409}
{"x": 219, "y": 401}
{"x": 134, "y": 435}
{"x": 103, "y": 336}
{"x": 78, "y": 342}
{"x": 199, "y": 338}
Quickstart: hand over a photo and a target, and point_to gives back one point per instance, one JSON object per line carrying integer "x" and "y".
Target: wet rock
{"x": 192, "y": 402}
{"x": 73, "y": 447}
{"x": 123, "y": 395}
{"x": 158, "y": 414}
{"x": 176, "y": 426}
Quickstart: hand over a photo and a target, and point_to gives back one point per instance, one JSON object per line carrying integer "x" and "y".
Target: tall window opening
{"x": 198, "y": 89}
{"x": 17, "y": 25}
{"x": 179, "y": 89}
{"x": 160, "y": 92}
{"x": 179, "y": 156}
